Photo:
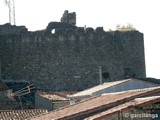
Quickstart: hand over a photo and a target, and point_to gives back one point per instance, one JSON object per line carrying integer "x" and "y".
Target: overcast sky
{"x": 142, "y": 14}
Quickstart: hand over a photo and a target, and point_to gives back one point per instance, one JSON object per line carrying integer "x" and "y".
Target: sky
{"x": 142, "y": 14}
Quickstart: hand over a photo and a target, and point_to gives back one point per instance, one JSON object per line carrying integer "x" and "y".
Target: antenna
{"x": 24, "y": 91}
{"x": 10, "y": 4}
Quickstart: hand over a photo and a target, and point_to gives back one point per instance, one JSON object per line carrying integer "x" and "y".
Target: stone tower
{"x": 69, "y": 18}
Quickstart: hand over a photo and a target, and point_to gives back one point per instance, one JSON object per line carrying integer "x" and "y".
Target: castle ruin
{"x": 69, "y": 59}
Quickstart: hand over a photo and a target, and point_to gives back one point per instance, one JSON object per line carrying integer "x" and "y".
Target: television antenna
{"x": 11, "y": 6}
{"x": 24, "y": 91}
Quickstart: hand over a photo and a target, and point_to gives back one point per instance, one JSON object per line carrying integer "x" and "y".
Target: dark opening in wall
{"x": 105, "y": 75}
{"x": 129, "y": 73}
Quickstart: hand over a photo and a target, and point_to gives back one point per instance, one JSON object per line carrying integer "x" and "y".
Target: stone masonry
{"x": 69, "y": 18}
{"x": 69, "y": 59}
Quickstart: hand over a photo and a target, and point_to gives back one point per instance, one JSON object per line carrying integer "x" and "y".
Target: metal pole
{"x": 100, "y": 75}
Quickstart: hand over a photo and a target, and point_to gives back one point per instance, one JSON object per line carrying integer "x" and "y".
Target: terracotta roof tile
{"x": 97, "y": 103}
{"x": 125, "y": 106}
{"x": 20, "y": 114}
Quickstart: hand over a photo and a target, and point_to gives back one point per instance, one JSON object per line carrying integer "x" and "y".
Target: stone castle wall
{"x": 69, "y": 58}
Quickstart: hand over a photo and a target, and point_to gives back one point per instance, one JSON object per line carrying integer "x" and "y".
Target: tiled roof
{"x": 96, "y": 104}
{"x": 89, "y": 91}
{"x": 55, "y": 95}
{"x": 20, "y": 114}
{"x": 3, "y": 86}
{"x": 134, "y": 103}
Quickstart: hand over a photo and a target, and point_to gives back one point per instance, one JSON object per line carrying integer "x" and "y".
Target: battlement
{"x": 69, "y": 18}
{"x": 7, "y": 29}
{"x": 52, "y": 60}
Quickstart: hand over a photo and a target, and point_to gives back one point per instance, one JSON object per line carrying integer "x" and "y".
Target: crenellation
{"x": 99, "y": 30}
{"x": 52, "y": 60}
{"x": 80, "y": 30}
{"x": 8, "y": 29}
{"x": 90, "y": 30}
{"x": 69, "y": 18}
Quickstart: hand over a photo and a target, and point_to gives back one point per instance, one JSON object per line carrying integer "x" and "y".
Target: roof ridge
{"x": 118, "y": 82}
{"x": 133, "y": 90}
{"x": 150, "y": 97}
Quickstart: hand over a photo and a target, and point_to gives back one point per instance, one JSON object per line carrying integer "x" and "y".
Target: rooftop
{"x": 90, "y": 91}
{"x": 20, "y": 114}
{"x": 96, "y": 104}
{"x": 134, "y": 103}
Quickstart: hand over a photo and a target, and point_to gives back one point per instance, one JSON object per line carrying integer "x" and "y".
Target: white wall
{"x": 129, "y": 85}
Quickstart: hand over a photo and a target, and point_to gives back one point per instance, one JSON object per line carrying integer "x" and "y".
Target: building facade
{"x": 52, "y": 100}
